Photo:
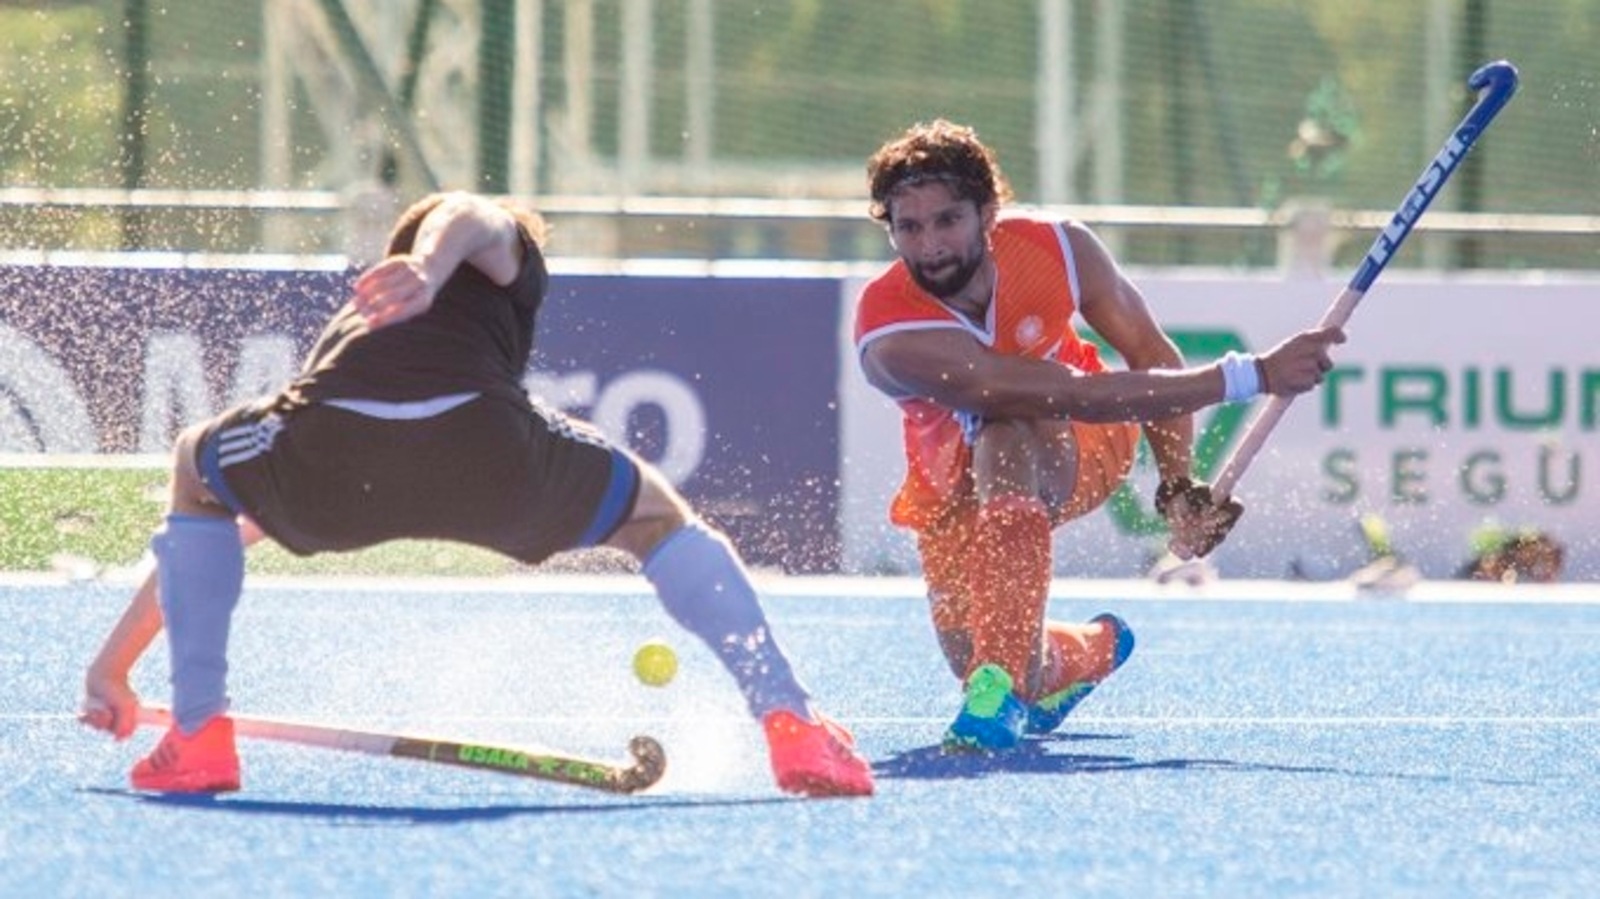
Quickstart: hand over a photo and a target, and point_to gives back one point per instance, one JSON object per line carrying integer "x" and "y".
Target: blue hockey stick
{"x": 1495, "y": 83}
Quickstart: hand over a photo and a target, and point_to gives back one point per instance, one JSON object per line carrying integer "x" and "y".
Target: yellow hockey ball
{"x": 655, "y": 663}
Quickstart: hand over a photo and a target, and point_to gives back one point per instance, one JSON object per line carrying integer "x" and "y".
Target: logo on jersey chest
{"x": 1029, "y": 331}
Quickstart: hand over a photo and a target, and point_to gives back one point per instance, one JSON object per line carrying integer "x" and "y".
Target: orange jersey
{"x": 1030, "y": 315}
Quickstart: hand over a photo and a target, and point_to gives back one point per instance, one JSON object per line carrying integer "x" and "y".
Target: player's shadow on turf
{"x": 1032, "y": 757}
{"x": 400, "y": 814}
{"x": 1039, "y": 757}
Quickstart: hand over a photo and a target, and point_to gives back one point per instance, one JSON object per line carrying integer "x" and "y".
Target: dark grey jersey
{"x": 477, "y": 337}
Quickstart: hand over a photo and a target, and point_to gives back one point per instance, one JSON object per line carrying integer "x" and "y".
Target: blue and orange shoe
{"x": 1047, "y": 714}
{"x": 992, "y": 718}
{"x": 817, "y": 759}
{"x": 203, "y": 762}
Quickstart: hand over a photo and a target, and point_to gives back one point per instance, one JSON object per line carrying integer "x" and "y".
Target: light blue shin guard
{"x": 200, "y": 568}
{"x": 704, "y": 587}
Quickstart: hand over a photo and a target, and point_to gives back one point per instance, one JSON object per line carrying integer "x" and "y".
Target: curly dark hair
{"x": 936, "y": 151}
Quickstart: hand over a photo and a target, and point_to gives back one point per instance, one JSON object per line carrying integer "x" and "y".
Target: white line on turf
{"x": 903, "y": 587}
{"x": 1097, "y": 721}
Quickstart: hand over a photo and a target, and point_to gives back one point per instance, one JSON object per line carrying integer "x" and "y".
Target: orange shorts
{"x": 1105, "y": 457}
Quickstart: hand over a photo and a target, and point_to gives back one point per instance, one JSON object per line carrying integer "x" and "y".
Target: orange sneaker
{"x": 205, "y": 762}
{"x": 815, "y": 759}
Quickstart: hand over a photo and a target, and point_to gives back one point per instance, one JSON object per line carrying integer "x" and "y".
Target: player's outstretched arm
{"x": 952, "y": 368}
{"x": 109, "y": 702}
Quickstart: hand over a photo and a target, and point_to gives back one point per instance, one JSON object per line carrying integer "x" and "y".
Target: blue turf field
{"x": 1265, "y": 740}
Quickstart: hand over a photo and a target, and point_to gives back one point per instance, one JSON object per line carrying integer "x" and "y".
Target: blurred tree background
{"x": 1170, "y": 103}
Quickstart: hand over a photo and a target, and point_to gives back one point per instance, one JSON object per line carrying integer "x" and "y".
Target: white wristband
{"x": 1240, "y": 379}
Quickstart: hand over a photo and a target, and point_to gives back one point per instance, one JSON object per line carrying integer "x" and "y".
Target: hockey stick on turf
{"x": 1495, "y": 83}
{"x": 649, "y": 760}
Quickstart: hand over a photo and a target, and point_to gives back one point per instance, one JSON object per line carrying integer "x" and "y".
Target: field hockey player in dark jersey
{"x": 409, "y": 420}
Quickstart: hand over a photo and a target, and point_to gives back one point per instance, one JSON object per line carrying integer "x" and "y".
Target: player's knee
{"x": 190, "y": 495}
{"x": 658, "y": 511}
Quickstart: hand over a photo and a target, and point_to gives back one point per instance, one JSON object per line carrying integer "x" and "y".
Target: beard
{"x": 954, "y": 280}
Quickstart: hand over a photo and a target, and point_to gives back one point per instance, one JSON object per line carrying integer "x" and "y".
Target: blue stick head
{"x": 1496, "y": 82}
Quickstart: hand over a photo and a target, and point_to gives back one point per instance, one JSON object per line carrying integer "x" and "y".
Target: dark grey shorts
{"x": 488, "y": 472}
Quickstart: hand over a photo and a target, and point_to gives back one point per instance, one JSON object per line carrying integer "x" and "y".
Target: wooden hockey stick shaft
{"x": 649, "y": 759}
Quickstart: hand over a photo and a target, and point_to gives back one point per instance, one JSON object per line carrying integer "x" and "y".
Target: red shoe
{"x": 205, "y": 762}
{"x": 815, "y": 759}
